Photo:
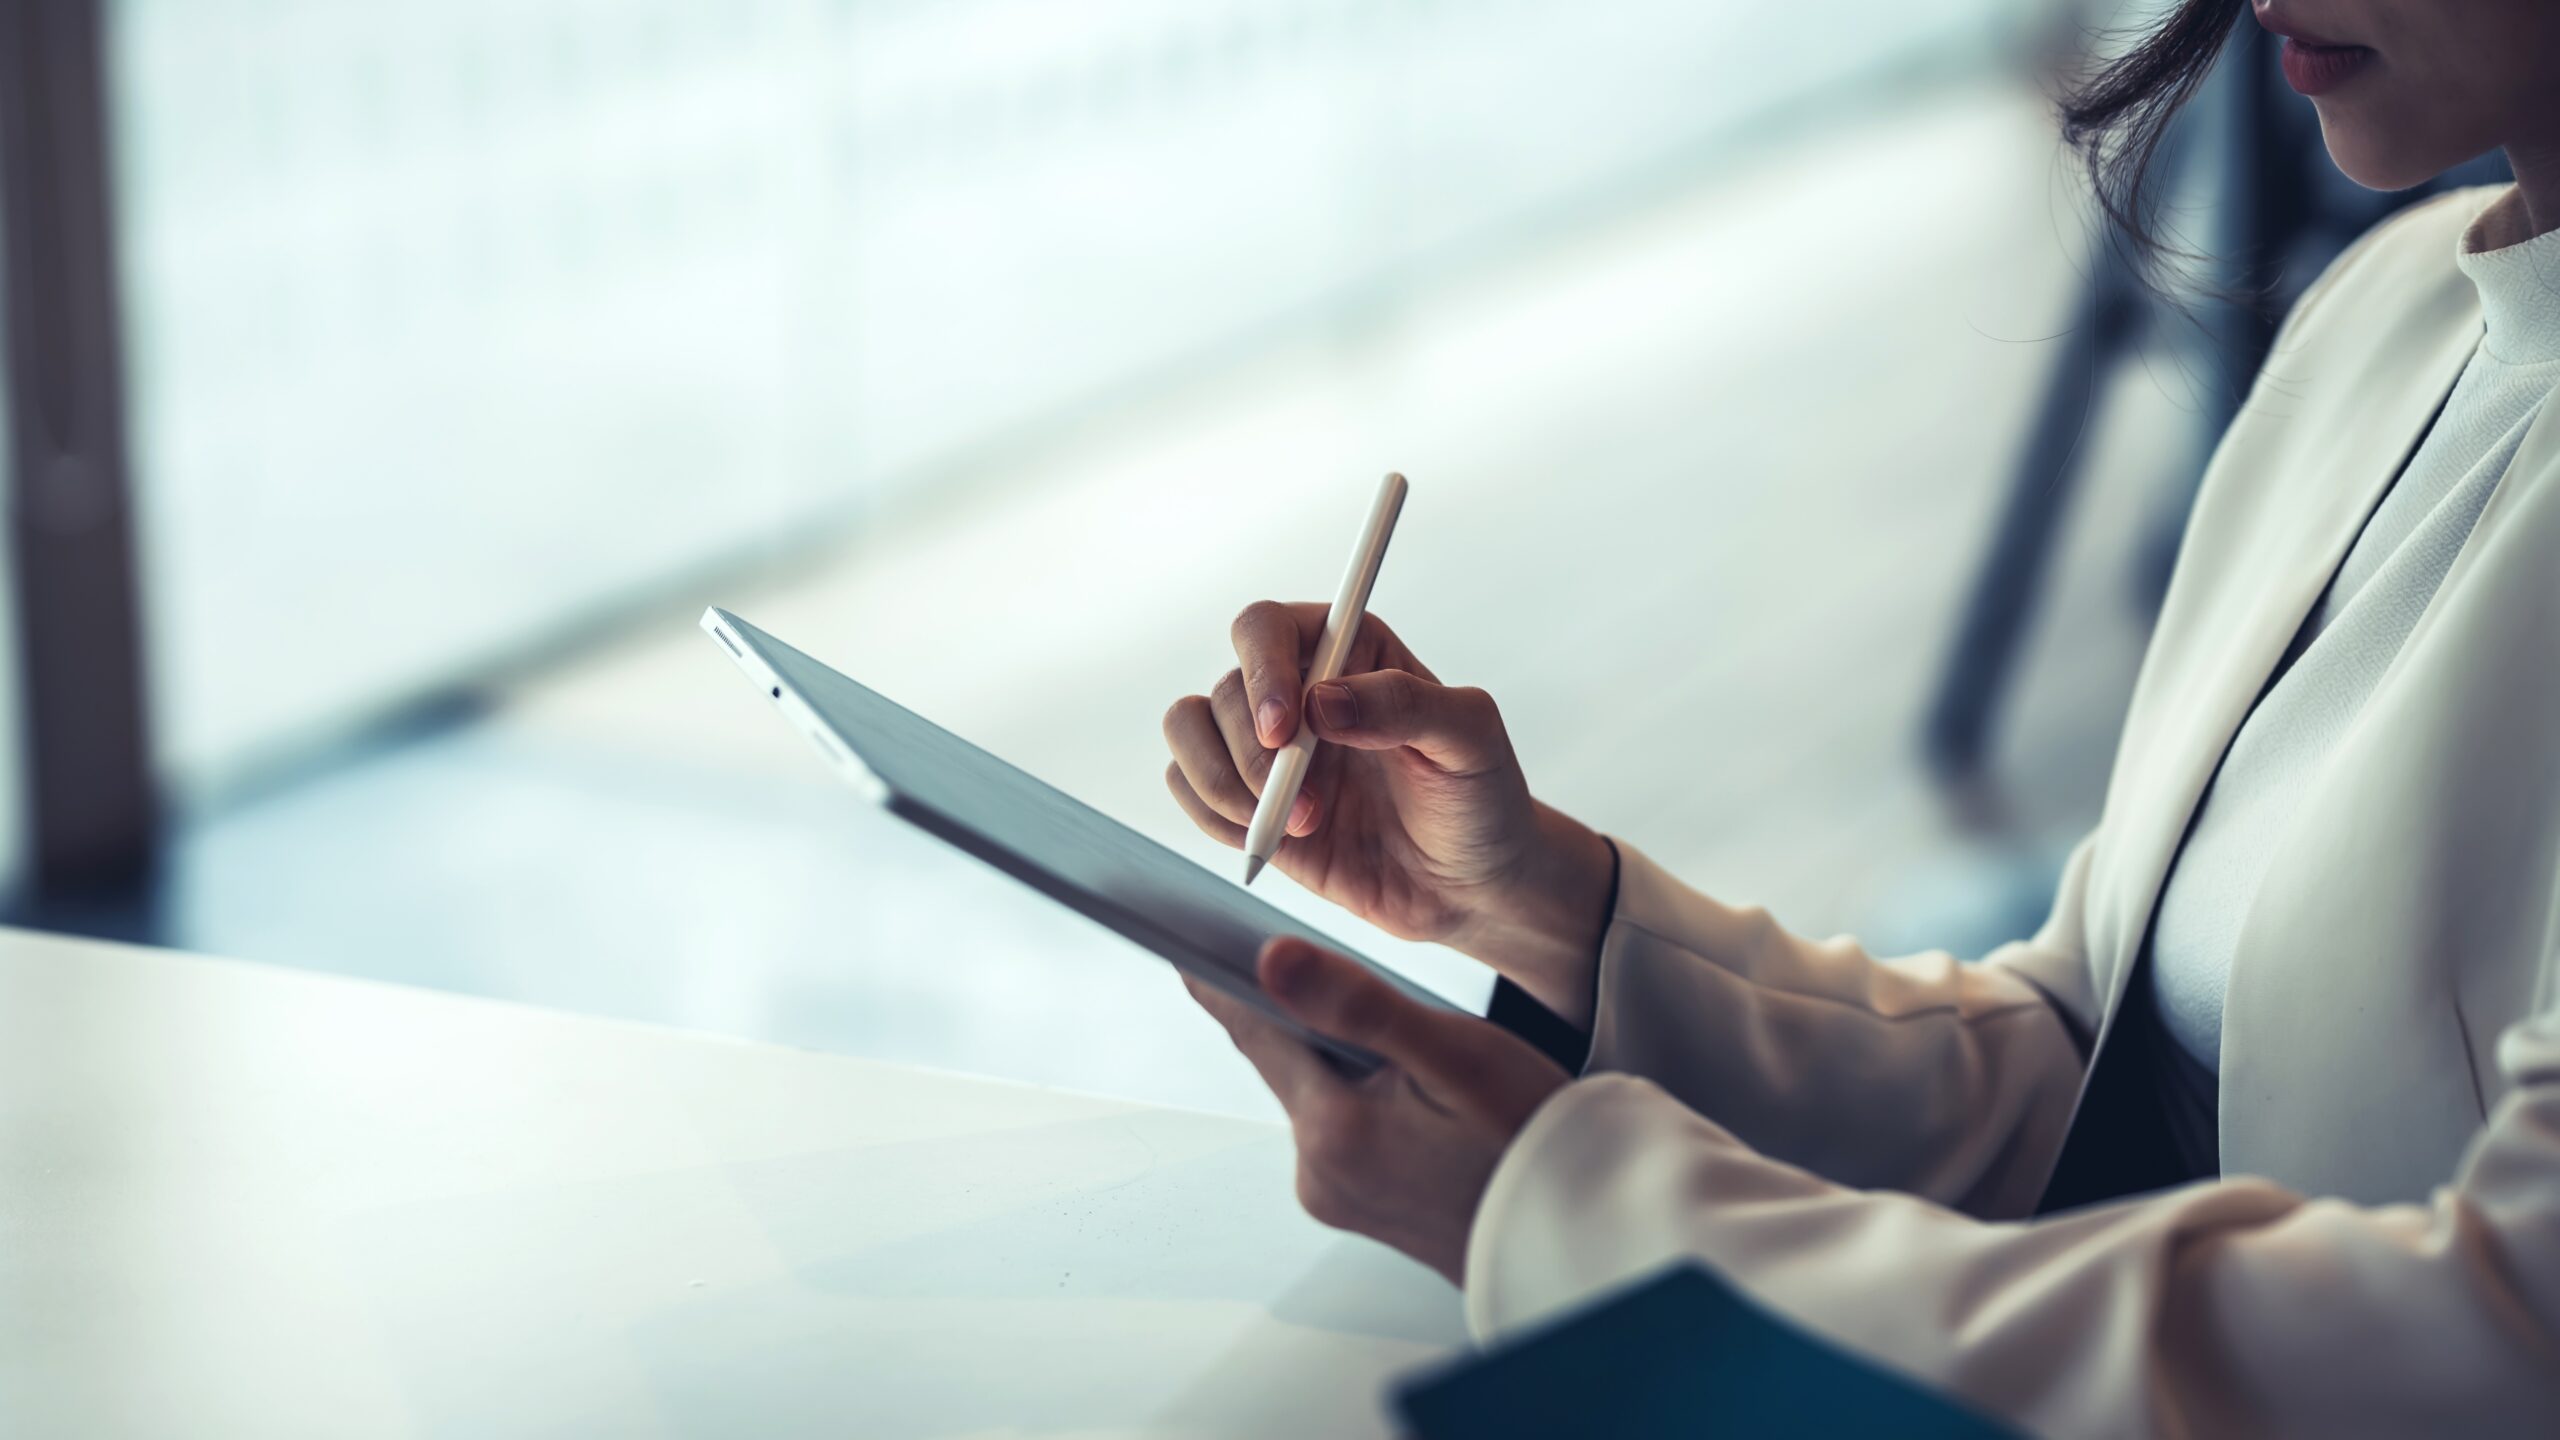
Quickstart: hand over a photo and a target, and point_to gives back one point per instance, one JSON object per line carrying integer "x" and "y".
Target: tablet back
{"x": 1202, "y": 922}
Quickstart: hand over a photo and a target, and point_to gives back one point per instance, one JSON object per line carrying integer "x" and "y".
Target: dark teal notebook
{"x": 1684, "y": 1354}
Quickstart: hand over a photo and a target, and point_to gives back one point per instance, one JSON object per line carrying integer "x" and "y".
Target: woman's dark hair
{"x": 2117, "y": 118}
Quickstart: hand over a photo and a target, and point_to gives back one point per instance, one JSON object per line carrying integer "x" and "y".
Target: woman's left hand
{"x": 1402, "y": 1155}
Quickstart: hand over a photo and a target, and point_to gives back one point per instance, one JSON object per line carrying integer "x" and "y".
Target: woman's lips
{"x": 2315, "y": 69}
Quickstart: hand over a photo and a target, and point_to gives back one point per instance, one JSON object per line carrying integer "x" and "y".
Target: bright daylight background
{"x": 997, "y": 351}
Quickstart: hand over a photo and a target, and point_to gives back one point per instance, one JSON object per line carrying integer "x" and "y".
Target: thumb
{"x": 1443, "y": 1050}
{"x": 1455, "y": 728}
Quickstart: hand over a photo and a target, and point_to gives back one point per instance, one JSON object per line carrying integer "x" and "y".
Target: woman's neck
{"x": 2537, "y": 172}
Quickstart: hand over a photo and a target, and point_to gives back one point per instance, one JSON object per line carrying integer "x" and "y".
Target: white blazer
{"x": 1854, "y": 1141}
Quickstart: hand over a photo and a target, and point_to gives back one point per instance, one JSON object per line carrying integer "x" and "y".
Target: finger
{"x": 1230, "y": 1013}
{"x": 1272, "y": 642}
{"x": 1232, "y": 713}
{"x": 1443, "y": 1050}
{"x": 1216, "y": 826}
{"x": 1275, "y": 641}
{"x": 1200, "y": 752}
{"x": 1377, "y": 648}
{"x": 1456, "y": 728}
{"x": 1252, "y": 761}
{"x": 1295, "y": 1074}
{"x": 1317, "y": 792}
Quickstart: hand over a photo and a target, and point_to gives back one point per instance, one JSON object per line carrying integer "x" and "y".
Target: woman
{"x": 2295, "y": 1019}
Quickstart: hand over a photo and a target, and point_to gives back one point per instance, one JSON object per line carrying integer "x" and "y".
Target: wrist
{"x": 1541, "y": 925}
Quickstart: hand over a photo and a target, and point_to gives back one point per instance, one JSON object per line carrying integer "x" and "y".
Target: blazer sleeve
{"x": 1949, "y": 1080}
{"x": 2230, "y": 1307}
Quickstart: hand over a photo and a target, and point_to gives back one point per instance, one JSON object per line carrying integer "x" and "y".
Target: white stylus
{"x": 1289, "y": 767}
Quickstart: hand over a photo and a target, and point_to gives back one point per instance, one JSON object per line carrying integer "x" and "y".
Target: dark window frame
{"x": 93, "y": 808}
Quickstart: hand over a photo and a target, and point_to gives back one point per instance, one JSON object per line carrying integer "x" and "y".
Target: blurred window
{"x": 457, "y": 327}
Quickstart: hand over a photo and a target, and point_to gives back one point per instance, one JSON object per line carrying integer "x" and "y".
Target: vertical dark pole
{"x": 93, "y": 810}
{"x": 2266, "y": 191}
{"x": 2008, "y": 583}
{"x": 2258, "y": 206}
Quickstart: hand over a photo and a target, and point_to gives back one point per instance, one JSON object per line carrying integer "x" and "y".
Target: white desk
{"x": 244, "y": 1200}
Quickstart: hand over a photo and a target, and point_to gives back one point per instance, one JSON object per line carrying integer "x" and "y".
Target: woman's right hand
{"x": 1415, "y": 815}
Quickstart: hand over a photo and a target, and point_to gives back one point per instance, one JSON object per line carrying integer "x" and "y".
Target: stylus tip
{"x": 1252, "y": 867}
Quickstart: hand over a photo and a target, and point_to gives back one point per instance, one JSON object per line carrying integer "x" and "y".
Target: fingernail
{"x": 1302, "y": 813}
{"x": 1271, "y": 717}
{"x": 1335, "y": 706}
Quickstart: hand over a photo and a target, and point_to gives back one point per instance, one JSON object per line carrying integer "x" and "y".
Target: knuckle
{"x": 1258, "y": 679}
{"x": 1251, "y": 621}
{"x": 1226, "y": 792}
{"x": 1200, "y": 808}
{"x": 1229, "y": 689}
{"x": 1390, "y": 696}
{"x": 1182, "y": 714}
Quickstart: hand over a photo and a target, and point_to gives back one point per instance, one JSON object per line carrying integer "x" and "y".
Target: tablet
{"x": 1208, "y": 926}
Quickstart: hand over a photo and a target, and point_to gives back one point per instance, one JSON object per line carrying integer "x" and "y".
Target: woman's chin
{"x": 2381, "y": 156}
{"x": 2382, "y": 167}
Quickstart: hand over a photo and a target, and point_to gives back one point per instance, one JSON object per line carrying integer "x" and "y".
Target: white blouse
{"x": 2351, "y": 637}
